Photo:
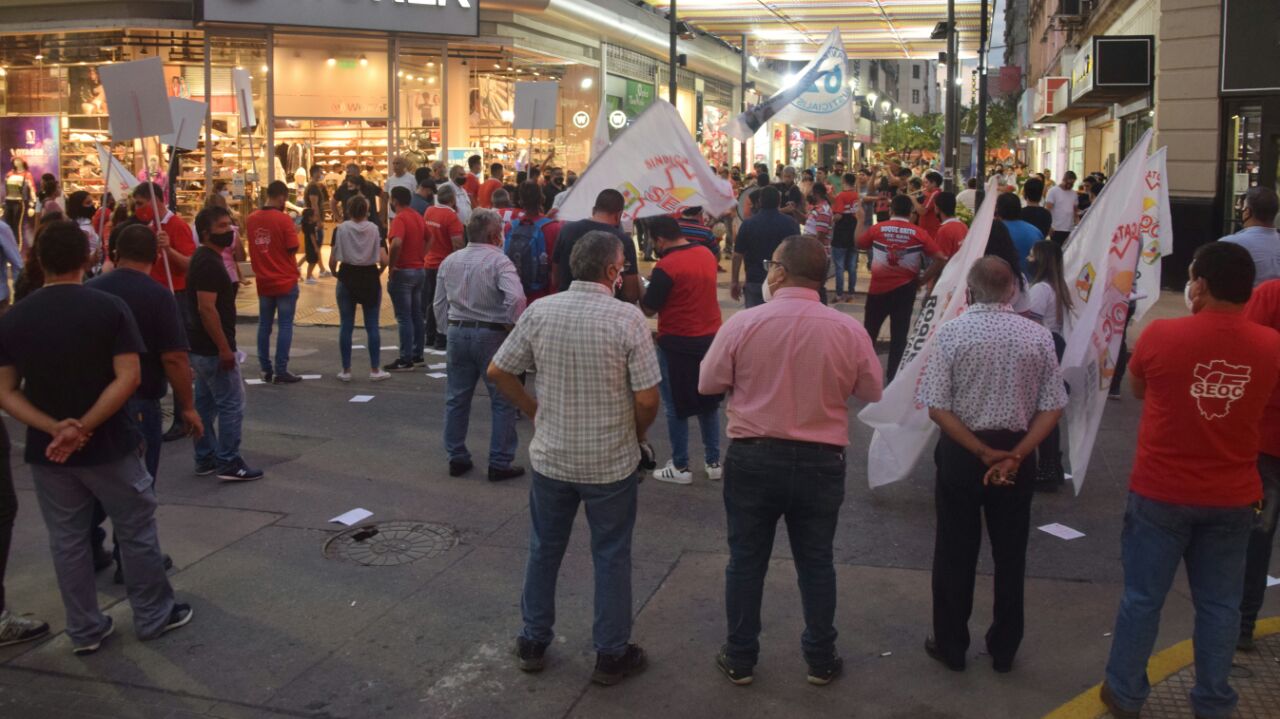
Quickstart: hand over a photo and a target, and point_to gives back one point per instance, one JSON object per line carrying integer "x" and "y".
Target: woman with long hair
{"x": 80, "y": 208}
{"x": 1050, "y": 304}
{"x": 357, "y": 260}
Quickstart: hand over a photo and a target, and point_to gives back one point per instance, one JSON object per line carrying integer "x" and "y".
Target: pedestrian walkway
{"x": 1254, "y": 675}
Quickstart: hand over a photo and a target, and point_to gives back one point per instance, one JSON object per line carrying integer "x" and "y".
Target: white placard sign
{"x": 188, "y": 119}
{"x": 536, "y": 105}
{"x": 244, "y": 98}
{"x": 137, "y": 99}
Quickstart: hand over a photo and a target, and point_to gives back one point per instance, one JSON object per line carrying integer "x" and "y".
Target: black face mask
{"x": 460, "y": 181}
{"x": 223, "y": 240}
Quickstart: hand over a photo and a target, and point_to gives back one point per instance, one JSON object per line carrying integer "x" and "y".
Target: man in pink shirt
{"x": 789, "y": 367}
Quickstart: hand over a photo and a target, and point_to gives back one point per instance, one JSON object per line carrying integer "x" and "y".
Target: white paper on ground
{"x": 357, "y": 347}
{"x": 1061, "y": 531}
{"x": 362, "y": 398}
{"x": 1272, "y": 581}
{"x": 390, "y": 347}
{"x": 324, "y": 309}
{"x": 442, "y": 365}
{"x": 437, "y": 375}
{"x": 350, "y": 518}
{"x": 310, "y": 376}
{"x": 436, "y": 352}
{"x": 254, "y": 381}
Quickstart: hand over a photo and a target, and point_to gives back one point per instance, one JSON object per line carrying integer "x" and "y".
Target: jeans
{"x": 470, "y": 349}
{"x": 347, "y": 323}
{"x": 1213, "y": 541}
{"x": 611, "y": 517}
{"x": 894, "y": 305}
{"x": 678, "y": 429}
{"x": 1261, "y": 541}
{"x": 147, "y": 414}
{"x": 961, "y": 502}
{"x": 762, "y": 483}
{"x": 286, "y": 305}
{"x": 220, "y": 400}
{"x": 846, "y": 261}
{"x": 431, "y": 333}
{"x": 752, "y": 294}
{"x": 8, "y": 507}
{"x": 405, "y": 288}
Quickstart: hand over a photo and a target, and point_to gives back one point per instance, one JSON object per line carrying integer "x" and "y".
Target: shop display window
{"x": 419, "y": 131}
{"x": 1244, "y": 160}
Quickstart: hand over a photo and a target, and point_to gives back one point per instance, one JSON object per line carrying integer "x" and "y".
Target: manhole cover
{"x": 387, "y": 544}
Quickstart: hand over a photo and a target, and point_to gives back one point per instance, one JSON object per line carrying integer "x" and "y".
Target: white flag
{"x": 1157, "y": 232}
{"x": 120, "y": 182}
{"x": 656, "y": 166}
{"x": 820, "y": 98}
{"x": 1100, "y": 263}
{"x": 600, "y": 140}
{"x": 902, "y": 427}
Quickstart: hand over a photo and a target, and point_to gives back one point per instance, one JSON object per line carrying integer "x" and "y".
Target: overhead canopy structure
{"x": 793, "y": 29}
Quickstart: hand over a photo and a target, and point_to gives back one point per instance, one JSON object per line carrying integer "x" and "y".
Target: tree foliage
{"x": 912, "y": 133}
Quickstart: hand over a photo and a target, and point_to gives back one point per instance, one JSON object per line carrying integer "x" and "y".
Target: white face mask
{"x": 1186, "y": 296}
{"x": 767, "y": 290}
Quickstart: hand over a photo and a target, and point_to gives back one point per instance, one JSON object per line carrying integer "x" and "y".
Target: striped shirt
{"x": 819, "y": 222}
{"x": 478, "y": 284}
{"x": 592, "y": 353}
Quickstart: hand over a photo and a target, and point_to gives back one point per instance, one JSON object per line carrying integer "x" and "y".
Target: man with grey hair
{"x": 597, "y": 395}
{"x": 993, "y": 387}
{"x": 458, "y": 179}
{"x": 399, "y": 177}
{"x": 478, "y": 297}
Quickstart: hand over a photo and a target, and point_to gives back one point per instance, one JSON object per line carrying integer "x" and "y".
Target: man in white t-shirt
{"x": 400, "y": 177}
{"x": 1061, "y": 203}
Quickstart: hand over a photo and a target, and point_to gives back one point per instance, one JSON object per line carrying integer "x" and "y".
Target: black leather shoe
{"x": 176, "y": 431}
{"x": 931, "y": 648}
{"x": 612, "y": 669}
{"x": 501, "y": 475}
{"x": 457, "y": 469}
{"x": 1109, "y": 700}
{"x": 532, "y": 655}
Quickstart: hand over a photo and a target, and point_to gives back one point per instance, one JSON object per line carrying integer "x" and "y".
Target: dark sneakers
{"x": 1245, "y": 643}
{"x": 459, "y": 468}
{"x": 285, "y": 377}
{"x": 400, "y": 365}
{"x": 737, "y": 675}
{"x": 499, "y": 475}
{"x": 180, "y": 617}
{"x": 611, "y": 669}
{"x": 1109, "y": 700}
{"x": 86, "y": 649}
{"x": 204, "y": 469}
{"x": 532, "y": 655}
{"x": 238, "y": 471}
{"x": 824, "y": 674}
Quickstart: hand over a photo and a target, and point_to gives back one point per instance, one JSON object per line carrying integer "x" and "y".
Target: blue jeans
{"x": 405, "y": 288}
{"x": 470, "y": 349}
{"x": 347, "y": 324}
{"x": 678, "y": 429}
{"x": 846, "y": 262}
{"x": 286, "y": 305}
{"x": 220, "y": 402}
{"x": 1212, "y": 541}
{"x": 611, "y": 516}
{"x": 752, "y": 294}
{"x": 763, "y": 483}
{"x": 1261, "y": 541}
{"x": 146, "y": 412}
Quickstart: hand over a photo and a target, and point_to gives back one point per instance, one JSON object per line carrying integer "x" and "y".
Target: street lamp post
{"x": 982, "y": 96}
{"x": 745, "y": 59}
{"x": 673, "y": 60}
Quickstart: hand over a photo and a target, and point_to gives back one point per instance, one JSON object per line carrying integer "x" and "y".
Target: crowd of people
{"x": 487, "y": 273}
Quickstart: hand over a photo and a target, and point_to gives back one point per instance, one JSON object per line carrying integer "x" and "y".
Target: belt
{"x": 468, "y": 324}
{"x": 793, "y": 443}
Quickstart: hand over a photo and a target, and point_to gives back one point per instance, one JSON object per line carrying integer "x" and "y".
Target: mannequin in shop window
{"x": 19, "y": 199}
{"x": 153, "y": 173}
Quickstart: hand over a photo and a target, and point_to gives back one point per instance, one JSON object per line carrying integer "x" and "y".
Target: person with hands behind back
{"x": 994, "y": 388}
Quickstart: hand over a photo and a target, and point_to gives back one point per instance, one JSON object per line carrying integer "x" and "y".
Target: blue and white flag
{"x": 820, "y": 98}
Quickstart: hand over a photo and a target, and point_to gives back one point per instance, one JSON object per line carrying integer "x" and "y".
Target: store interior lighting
{"x": 364, "y": 61}
{"x": 586, "y": 83}
{"x": 331, "y": 61}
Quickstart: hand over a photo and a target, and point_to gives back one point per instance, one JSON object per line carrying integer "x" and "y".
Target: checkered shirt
{"x": 591, "y": 353}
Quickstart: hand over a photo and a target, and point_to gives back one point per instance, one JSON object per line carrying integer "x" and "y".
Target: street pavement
{"x": 284, "y": 629}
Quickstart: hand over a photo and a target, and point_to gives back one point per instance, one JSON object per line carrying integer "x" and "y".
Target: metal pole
{"x": 744, "y": 95}
{"x": 951, "y": 180}
{"x": 671, "y": 61}
{"x": 982, "y": 95}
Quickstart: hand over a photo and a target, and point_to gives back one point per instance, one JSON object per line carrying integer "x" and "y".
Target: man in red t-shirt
{"x": 1264, "y": 309}
{"x": 952, "y": 231}
{"x": 174, "y": 240}
{"x": 444, "y": 235}
{"x": 844, "y": 226}
{"x": 682, "y": 292}
{"x": 408, "y": 239}
{"x": 898, "y": 250}
{"x": 494, "y": 183}
{"x": 273, "y": 248}
{"x": 472, "y": 182}
{"x": 1205, "y": 382}
{"x": 929, "y": 219}
{"x": 531, "y": 204}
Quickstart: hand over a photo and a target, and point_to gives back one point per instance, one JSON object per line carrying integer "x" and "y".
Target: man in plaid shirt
{"x": 597, "y": 377}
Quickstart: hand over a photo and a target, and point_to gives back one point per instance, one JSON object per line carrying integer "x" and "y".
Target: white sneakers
{"x": 379, "y": 375}
{"x": 344, "y": 376}
{"x": 673, "y": 475}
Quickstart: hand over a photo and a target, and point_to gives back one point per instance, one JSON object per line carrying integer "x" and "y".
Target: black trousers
{"x": 432, "y": 332}
{"x": 962, "y": 501}
{"x": 8, "y": 507}
{"x": 1059, "y": 237}
{"x": 894, "y": 305}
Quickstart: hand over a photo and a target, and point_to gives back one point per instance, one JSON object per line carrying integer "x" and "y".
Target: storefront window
{"x": 629, "y": 97}
{"x": 233, "y": 154}
{"x": 420, "y": 105}
{"x": 1244, "y": 159}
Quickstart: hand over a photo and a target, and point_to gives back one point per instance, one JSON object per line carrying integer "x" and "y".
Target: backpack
{"x": 526, "y": 247}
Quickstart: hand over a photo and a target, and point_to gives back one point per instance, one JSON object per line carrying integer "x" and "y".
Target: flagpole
{"x": 155, "y": 201}
{"x": 672, "y": 60}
